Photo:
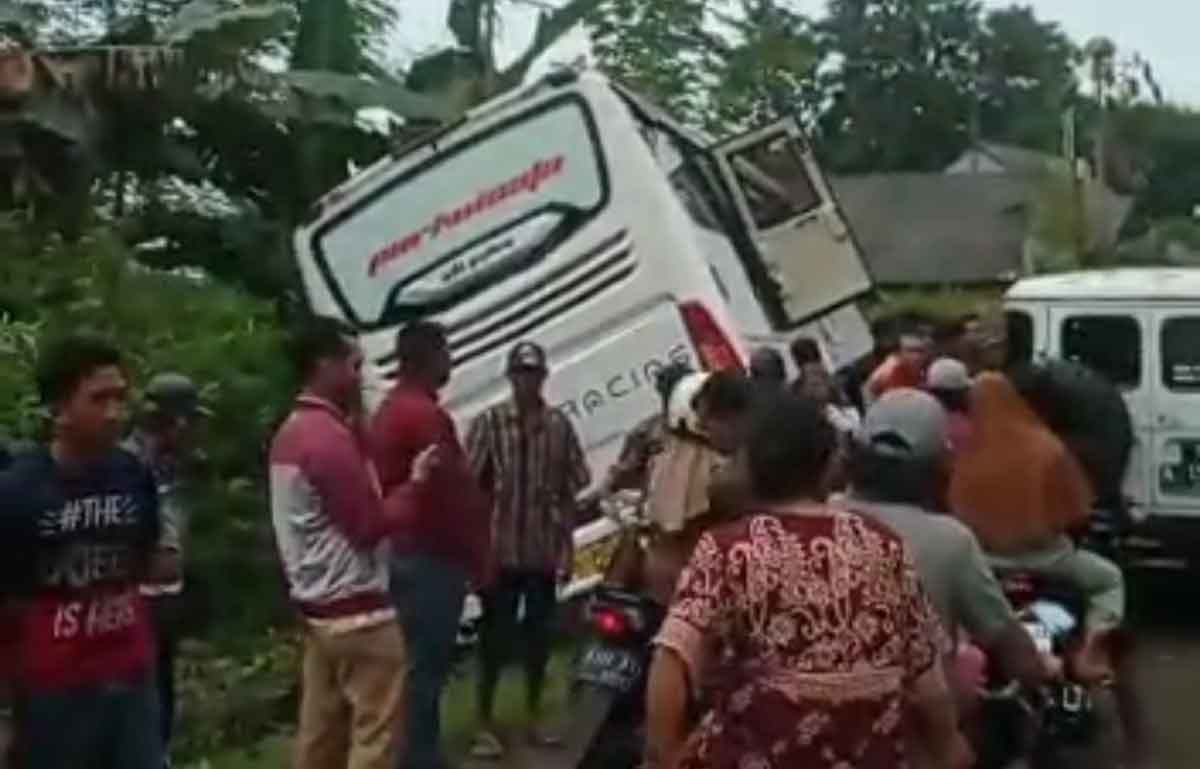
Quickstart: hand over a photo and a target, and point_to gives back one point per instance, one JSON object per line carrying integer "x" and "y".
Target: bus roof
{"x": 429, "y": 141}
{"x": 1139, "y": 284}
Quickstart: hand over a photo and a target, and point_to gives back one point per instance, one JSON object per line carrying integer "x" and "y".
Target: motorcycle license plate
{"x": 610, "y": 667}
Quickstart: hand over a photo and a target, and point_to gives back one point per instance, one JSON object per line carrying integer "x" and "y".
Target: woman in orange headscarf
{"x": 1016, "y": 485}
{"x": 1019, "y": 488}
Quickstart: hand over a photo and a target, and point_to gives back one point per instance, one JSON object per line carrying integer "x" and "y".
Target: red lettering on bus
{"x": 528, "y": 181}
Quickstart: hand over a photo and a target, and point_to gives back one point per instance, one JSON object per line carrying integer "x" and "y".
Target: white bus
{"x": 576, "y": 214}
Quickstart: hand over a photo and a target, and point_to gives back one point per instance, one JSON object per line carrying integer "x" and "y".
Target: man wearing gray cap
{"x": 895, "y": 469}
{"x": 161, "y": 439}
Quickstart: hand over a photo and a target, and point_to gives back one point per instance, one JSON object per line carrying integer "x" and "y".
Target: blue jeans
{"x": 113, "y": 725}
{"x": 429, "y": 594}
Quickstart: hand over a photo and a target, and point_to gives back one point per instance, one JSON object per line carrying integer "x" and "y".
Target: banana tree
{"x": 468, "y": 73}
{"x": 69, "y": 114}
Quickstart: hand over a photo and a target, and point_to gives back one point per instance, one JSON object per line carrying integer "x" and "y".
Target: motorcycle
{"x": 608, "y": 687}
{"x": 1066, "y": 720}
{"x": 610, "y": 680}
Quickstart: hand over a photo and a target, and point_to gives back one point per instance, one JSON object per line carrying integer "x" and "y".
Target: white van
{"x": 576, "y": 214}
{"x": 1140, "y": 328}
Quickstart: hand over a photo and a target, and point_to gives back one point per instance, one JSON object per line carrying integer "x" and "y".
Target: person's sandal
{"x": 487, "y": 747}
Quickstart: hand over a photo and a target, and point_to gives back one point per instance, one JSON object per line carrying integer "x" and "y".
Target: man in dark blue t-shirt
{"x": 78, "y": 528}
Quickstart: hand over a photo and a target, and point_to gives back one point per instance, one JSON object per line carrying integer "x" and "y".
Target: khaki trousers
{"x": 351, "y": 698}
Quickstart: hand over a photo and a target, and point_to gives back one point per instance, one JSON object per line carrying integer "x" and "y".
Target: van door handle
{"x": 1169, "y": 422}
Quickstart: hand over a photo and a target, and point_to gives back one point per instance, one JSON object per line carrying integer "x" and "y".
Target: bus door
{"x": 786, "y": 205}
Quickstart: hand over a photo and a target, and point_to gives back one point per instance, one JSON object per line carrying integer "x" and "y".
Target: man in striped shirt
{"x": 528, "y": 456}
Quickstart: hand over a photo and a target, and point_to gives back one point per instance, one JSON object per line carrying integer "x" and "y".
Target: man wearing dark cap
{"x": 767, "y": 368}
{"x": 528, "y": 456}
{"x": 160, "y": 439}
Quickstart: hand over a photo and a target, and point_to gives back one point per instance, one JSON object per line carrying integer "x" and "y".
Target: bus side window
{"x": 686, "y": 186}
{"x": 707, "y": 202}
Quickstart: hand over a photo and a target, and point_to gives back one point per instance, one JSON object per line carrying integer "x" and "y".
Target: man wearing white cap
{"x": 949, "y": 381}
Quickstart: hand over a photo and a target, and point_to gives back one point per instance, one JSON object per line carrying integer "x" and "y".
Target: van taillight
{"x": 716, "y": 352}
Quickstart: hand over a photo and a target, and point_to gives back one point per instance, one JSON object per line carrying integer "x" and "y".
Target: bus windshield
{"x": 475, "y": 213}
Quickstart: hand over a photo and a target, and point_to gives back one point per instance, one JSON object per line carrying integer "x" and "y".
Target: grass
{"x": 458, "y": 716}
{"x": 938, "y": 303}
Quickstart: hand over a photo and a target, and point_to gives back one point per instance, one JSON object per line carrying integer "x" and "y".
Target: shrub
{"x": 228, "y": 342}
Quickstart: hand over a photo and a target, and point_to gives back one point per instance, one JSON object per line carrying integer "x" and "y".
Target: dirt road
{"x": 1166, "y": 610}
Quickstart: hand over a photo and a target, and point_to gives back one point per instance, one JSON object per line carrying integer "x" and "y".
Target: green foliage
{"x": 1027, "y": 76}
{"x": 732, "y": 65}
{"x": 341, "y": 35}
{"x": 264, "y": 145}
{"x": 467, "y": 74}
{"x": 1174, "y": 242}
{"x": 1059, "y": 224}
{"x": 1165, "y": 144}
{"x": 937, "y": 305}
{"x": 768, "y": 71}
{"x": 901, "y": 96}
{"x": 262, "y": 741}
{"x": 228, "y": 343}
{"x": 630, "y": 38}
{"x": 887, "y": 85}
{"x": 236, "y": 696}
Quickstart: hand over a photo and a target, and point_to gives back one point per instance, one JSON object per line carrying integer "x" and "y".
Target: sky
{"x": 1166, "y": 32}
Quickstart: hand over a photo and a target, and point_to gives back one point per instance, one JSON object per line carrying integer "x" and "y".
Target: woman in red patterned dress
{"x": 804, "y": 626}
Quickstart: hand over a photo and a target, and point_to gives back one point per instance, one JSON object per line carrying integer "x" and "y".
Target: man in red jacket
{"x": 441, "y": 543}
{"x": 331, "y": 528}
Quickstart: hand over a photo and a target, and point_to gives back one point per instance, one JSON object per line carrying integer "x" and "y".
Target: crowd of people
{"x": 383, "y": 526}
{"x": 841, "y": 610}
{"x": 826, "y": 548}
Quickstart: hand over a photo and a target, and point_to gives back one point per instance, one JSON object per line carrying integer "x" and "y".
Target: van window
{"x": 1019, "y": 330}
{"x": 1110, "y": 344}
{"x": 476, "y": 214}
{"x": 1180, "y": 345}
{"x": 775, "y": 181}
